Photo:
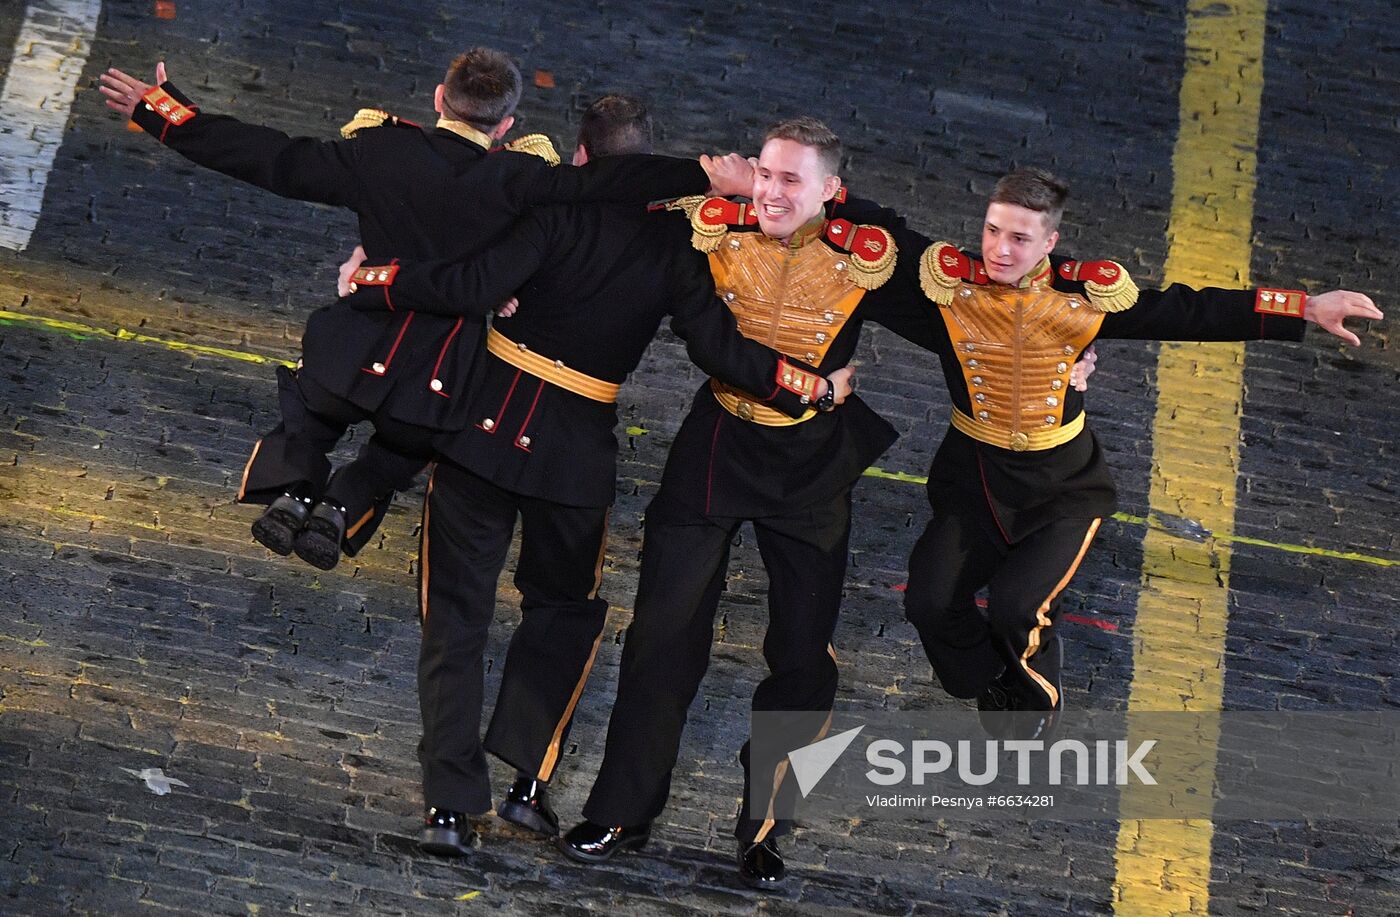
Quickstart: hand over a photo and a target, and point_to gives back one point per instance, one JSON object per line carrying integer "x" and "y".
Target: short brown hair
{"x": 482, "y": 86}
{"x": 615, "y": 125}
{"x": 808, "y": 131}
{"x": 1034, "y": 189}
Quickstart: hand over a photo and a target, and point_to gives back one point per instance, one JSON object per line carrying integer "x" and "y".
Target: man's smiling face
{"x": 790, "y": 185}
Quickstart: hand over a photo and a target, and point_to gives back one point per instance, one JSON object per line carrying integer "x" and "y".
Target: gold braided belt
{"x": 553, "y": 371}
{"x": 1034, "y": 441}
{"x": 744, "y": 407}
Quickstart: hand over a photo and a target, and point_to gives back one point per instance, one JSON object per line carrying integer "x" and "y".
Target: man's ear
{"x": 505, "y": 124}
{"x": 830, "y": 185}
{"x": 437, "y": 97}
{"x": 580, "y": 155}
{"x": 1051, "y": 242}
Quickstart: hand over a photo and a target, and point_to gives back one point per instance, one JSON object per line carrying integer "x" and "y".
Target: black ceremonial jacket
{"x": 1008, "y": 352}
{"x": 594, "y": 283}
{"x": 725, "y": 466}
{"x": 420, "y": 194}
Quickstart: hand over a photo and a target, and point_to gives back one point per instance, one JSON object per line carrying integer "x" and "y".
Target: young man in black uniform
{"x": 419, "y": 194}
{"x": 1019, "y": 486}
{"x": 594, "y": 283}
{"x": 797, "y": 268}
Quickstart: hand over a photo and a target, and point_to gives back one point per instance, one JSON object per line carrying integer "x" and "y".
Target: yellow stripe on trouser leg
{"x": 1163, "y": 867}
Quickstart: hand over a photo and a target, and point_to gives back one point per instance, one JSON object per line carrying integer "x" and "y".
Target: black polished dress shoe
{"x": 446, "y": 833}
{"x": 527, "y": 805}
{"x": 1010, "y": 710}
{"x": 318, "y": 543}
{"x": 277, "y": 527}
{"x": 995, "y": 704}
{"x": 761, "y": 865}
{"x": 590, "y": 843}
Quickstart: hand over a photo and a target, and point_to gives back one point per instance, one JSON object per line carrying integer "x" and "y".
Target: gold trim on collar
{"x": 1038, "y": 276}
{"x": 808, "y": 231}
{"x": 465, "y": 131}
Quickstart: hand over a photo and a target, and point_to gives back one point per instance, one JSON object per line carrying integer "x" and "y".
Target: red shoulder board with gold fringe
{"x": 960, "y": 266}
{"x": 871, "y": 248}
{"x": 942, "y": 267}
{"x": 712, "y": 217}
{"x": 717, "y": 211}
{"x": 1103, "y": 272}
{"x": 1106, "y": 283}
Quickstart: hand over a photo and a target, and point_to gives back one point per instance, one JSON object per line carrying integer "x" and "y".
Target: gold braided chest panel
{"x": 794, "y": 299}
{"x": 1016, "y": 348}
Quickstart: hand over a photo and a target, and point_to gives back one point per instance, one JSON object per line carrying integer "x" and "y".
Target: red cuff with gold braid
{"x": 382, "y": 276}
{"x": 1289, "y": 303}
{"x": 167, "y": 106}
{"x": 798, "y": 381}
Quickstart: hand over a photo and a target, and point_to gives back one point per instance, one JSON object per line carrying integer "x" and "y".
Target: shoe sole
{"x": 443, "y": 842}
{"x": 317, "y": 548}
{"x": 757, "y": 882}
{"x": 525, "y": 817}
{"x": 578, "y": 856}
{"x": 276, "y": 531}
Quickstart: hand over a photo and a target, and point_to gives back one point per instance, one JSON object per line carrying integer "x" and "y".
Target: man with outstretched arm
{"x": 1019, "y": 485}
{"x": 420, "y": 194}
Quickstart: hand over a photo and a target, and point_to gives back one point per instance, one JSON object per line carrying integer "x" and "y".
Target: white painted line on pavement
{"x": 50, "y": 53}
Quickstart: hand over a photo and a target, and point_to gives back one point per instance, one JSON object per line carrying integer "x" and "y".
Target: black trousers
{"x": 684, "y": 557}
{"x": 953, "y": 559}
{"x": 294, "y": 456}
{"x": 467, "y": 527}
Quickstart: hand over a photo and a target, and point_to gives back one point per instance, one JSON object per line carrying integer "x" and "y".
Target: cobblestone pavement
{"x": 143, "y": 628}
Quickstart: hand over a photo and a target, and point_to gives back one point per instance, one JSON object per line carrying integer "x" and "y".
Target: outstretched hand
{"x": 123, "y": 90}
{"x": 1330, "y": 310}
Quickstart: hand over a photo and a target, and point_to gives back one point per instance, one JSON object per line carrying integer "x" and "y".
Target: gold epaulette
{"x": 687, "y": 204}
{"x": 536, "y": 145}
{"x": 711, "y": 218}
{"x": 871, "y": 248}
{"x": 365, "y": 117}
{"x": 1106, "y": 284}
{"x": 941, "y": 268}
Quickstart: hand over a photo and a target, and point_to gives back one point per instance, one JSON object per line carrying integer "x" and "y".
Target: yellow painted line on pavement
{"x": 78, "y": 330}
{"x": 903, "y": 477}
{"x": 1162, "y": 865}
{"x": 1353, "y": 556}
{"x": 81, "y": 331}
